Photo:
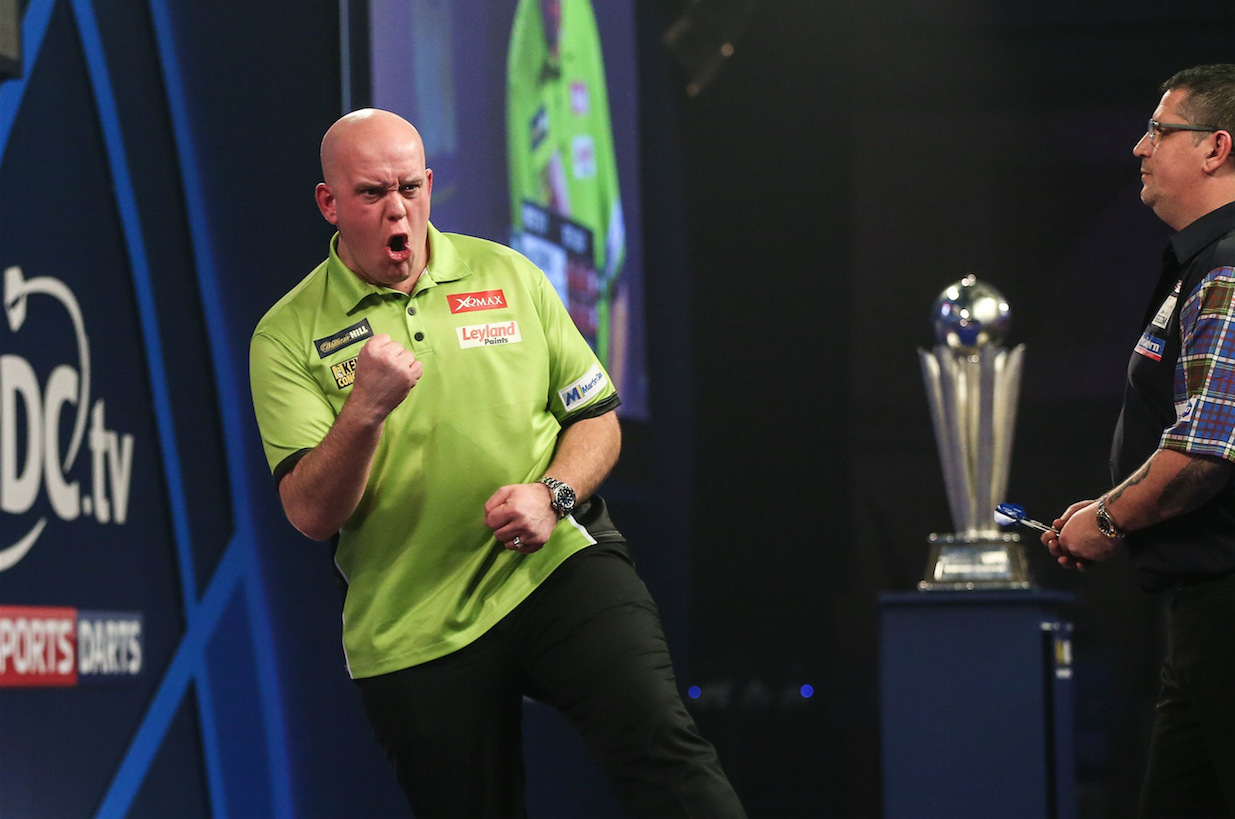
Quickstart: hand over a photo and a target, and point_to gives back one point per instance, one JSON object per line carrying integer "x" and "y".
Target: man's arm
{"x": 586, "y": 453}
{"x": 1169, "y": 484}
{"x": 1191, "y": 464}
{"x": 324, "y": 488}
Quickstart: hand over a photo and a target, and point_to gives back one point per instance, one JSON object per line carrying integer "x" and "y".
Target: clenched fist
{"x": 385, "y": 374}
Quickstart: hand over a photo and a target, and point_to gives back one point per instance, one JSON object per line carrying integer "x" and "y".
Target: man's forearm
{"x": 324, "y": 488}
{"x": 1167, "y": 485}
{"x": 586, "y": 453}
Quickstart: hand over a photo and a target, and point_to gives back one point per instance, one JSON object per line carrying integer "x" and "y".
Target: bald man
{"x": 426, "y": 403}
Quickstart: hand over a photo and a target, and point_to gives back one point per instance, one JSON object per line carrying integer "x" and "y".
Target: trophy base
{"x": 959, "y": 563}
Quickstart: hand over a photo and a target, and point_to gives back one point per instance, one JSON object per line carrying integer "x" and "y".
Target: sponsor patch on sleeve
{"x": 344, "y": 338}
{"x": 344, "y": 372}
{"x": 1151, "y": 347}
{"x": 585, "y": 389}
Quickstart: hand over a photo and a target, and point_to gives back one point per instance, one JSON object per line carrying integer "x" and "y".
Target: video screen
{"x": 528, "y": 113}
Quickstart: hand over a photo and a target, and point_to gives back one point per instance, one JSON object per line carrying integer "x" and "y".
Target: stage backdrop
{"x": 169, "y": 646}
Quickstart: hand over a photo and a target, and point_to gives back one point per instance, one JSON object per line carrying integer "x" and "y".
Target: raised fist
{"x": 385, "y": 374}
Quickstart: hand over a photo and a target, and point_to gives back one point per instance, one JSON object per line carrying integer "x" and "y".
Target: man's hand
{"x": 385, "y": 374}
{"x": 521, "y": 511}
{"x": 1079, "y": 543}
{"x": 1051, "y": 539}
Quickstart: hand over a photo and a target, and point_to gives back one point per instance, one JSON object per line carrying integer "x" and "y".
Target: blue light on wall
{"x": 223, "y": 663}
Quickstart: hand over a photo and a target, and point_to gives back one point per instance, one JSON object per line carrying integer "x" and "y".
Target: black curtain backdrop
{"x": 847, "y": 163}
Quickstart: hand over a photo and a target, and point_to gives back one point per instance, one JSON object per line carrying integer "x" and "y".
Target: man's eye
{"x": 411, "y": 187}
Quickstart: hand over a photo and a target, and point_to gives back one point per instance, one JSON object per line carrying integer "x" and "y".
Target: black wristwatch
{"x": 563, "y": 497}
{"x": 1106, "y": 524}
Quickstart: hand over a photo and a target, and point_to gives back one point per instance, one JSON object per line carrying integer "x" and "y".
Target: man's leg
{"x": 1180, "y": 779}
{"x": 593, "y": 647}
{"x": 451, "y": 728}
{"x": 1192, "y": 755}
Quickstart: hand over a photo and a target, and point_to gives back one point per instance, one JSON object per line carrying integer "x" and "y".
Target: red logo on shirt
{"x": 484, "y": 300}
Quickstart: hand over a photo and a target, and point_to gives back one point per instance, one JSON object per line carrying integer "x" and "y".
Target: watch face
{"x": 1105, "y": 525}
{"x": 566, "y": 497}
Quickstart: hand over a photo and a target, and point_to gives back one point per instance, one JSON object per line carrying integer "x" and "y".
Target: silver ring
{"x": 516, "y": 543}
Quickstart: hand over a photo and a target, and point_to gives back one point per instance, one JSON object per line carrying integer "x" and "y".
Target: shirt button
{"x": 420, "y": 336}
{"x": 411, "y": 311}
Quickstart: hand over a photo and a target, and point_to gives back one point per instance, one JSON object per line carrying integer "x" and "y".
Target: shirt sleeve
{"x": 292, "y": 412}
{"x": 579, "y": 386}
{"x": 1205, "y": 372}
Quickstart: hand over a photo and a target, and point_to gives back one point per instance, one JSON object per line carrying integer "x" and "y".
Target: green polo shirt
{"x": 504, "y": 370}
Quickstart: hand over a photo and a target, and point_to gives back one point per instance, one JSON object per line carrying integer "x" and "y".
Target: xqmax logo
{"x": 32, "y": 458}
{"x": 484, "y": 300}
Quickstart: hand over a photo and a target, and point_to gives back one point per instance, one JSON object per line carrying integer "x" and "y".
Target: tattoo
{"x": 1196, "y": 483}
{"x": 1133, "y": 479}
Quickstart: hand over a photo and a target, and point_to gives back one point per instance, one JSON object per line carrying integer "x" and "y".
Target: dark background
{"x": 801, "y": 214}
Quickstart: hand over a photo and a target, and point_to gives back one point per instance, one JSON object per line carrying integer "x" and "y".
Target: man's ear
{"x": 326, "y": 202}
{"x": 1220, "y": 153}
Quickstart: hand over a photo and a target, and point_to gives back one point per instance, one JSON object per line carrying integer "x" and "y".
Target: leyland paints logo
{"x": 31, "y": 457}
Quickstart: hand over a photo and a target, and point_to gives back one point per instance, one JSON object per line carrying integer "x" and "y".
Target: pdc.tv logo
{"x": 55, "y": 646}
{"x": 47, "y": 464}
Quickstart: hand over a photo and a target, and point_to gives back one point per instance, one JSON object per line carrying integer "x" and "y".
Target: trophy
{"x": 972, "y": 384}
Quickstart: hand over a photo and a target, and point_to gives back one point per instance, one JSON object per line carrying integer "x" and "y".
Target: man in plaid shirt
{"x": 1173, "y": 457}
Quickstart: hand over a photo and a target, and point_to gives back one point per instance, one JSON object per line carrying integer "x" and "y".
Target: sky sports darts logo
{"x": 33, "y": 457}
{"x": 50, "y": 646}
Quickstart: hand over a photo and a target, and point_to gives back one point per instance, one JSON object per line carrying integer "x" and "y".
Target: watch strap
{"x": 561, "y": 496}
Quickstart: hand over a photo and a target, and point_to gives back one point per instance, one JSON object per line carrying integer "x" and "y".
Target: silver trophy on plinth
{"x": 972, "y": 383}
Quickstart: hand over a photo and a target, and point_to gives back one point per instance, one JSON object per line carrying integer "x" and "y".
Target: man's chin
{"x": 395, "y": 274}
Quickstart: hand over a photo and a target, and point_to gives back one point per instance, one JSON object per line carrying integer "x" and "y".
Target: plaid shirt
{"x": 1205, "y": 372}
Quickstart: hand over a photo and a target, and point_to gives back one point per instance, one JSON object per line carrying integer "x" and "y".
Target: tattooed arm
{"x": 1169, "y": 484}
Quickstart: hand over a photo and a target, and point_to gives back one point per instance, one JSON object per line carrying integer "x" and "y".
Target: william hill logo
{"x": 484, "y": 300}
{"x": 344, "y": 338}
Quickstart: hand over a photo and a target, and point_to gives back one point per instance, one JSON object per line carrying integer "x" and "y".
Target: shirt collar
{"x": 1203, "y": 232}
{"x": 445, "y": 265}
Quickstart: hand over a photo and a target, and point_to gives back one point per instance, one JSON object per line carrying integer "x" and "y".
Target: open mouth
{"x": 397, "y": 249}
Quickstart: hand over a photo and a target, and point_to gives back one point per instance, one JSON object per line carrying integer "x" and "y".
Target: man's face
{"x": 1171, "y": 171}
{"x": 377, "y": 194}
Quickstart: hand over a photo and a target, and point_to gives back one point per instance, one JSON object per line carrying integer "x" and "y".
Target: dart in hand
{"x": 1012, "y": 513}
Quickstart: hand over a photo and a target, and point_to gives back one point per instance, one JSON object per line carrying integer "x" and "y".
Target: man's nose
{"x": 1143, "y": 146}
{"x": 396, "y": 209}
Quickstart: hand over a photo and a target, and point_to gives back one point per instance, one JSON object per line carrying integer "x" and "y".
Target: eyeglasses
{"x": 1157, "y": 130}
